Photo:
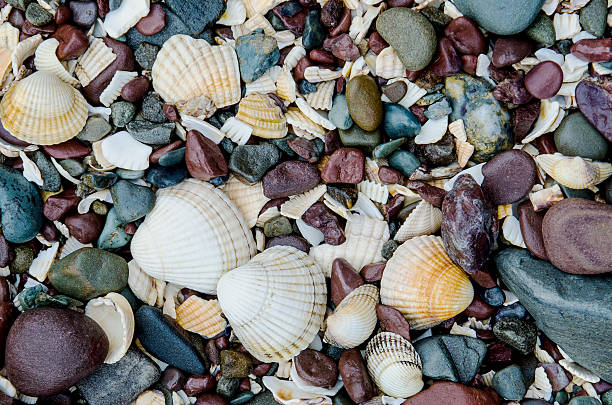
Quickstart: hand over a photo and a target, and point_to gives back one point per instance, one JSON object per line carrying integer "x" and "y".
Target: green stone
{"x": 281, "y": 143}
{"x": 37, "y": 15}
{"x": 277, "y": 226}
{"x": 24, "y": 255}
{"x": 363, "y": 101}
{"x": 251, "y": 162}
{"x": 342, "y": 399}
{"x": 131, "y": 201}
{"x": 113, "y": 235}
{"x": 265, "y": 398}
{"x": 577, "y": 137}
{"x": 517, "y": 333}
{"x": 276, "y": 22}
{"x": 74, "y": 167}
{"x": 606, "y": 397}
{"x": 151, "y": 133}
{"x": 242, "y": 398}
{"x": 509, "y": 383}
{"x": 20, "y": 206}
{"x": 593, "y": 17}
{"x": 256, "y": 53}
{"x": 122, "y": 112}
{"x": 20, "y": 4}
{"x": 359, "y": 138}
{"x": 88, "y": 273}
{"x": 52, "y": 181}
{"x": 99, "y": 208}
{"x": 235, "y": 364}
{"x": 503, "y": 17}
{"x": 562, "y": 397}
{"x": 228, "y": 387}
{"x": 129, "y": 174}
{"x": 173, "y": 157}
{"x": 97, "y": 127}
{"x": 385, "y": 149}
{"x": 400, "y": 122}
{"x": 389, "y": 248}
{"x": 404, "y": 161}
{"x": 542, "y": 30}
{"x": 584, "y": 401}
{"x": 339, "y": 113}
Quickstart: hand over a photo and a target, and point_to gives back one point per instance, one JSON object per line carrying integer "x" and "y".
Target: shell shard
{"x": 286, "y": 88}
{"x": 192, "y": 236}
{"x": 201, "y": 316}
{"x": 322, "y": 99}
{"x": 148, "y": 289}
{"x": 432, "y": 131}
{"x": 423, "y": 283}
{"x": 425, "y": 219}
{"x": 24, "y": 50}
{"x": 42, "y": 263}
{"x": 412, "y": 95}
{"x": 258, "y": 298}
{"x": 237, "y": 130}
{"x": 297, "y": 119}
{"x": 119, "y": 21}
{"x": 297, "y": 206}
{"x": 308, "y": 111}
{"x": 293, "y": 57}
{"x": 574, "y": 172}
{"x": 389, "y": 65}
{"x": 113, "y": 90}
{"x": 235, "y": 13}
{"x": 262, "y": 113}
{"x": 374, "y": 191}
{"x": 248, "y": 199}
{"x": 122, "y": 150}
{"x": 95, "y": 59}
{"x": 315, "y": 74}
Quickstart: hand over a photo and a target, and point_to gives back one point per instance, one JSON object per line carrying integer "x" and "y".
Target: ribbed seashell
{"x": 549, "y": 110}
{"x": 71, "y": 245}
{"x": 99, "y": 163}
{"x": 122, "y": 150}
{"x": 574, "y": 172}
{"x": 286, "y": 392}
{"x": 566, "y": 25}
{"x": 264, "y": 84}
{"x": 432, "y": 131}
{"x": 42, "y": 263}
{"x": 512, "y": 231}
{"x": 236, "y": 130}
{"x": 293, "y": 57}
{"x": 286, "y": 88}
{"x": 413, "y": 93}
{"x": 192, "y": 236}
{"x": 113, "y": 90}
{"x": 260, "y": 297}
{"x": 96, "y": 58}
{"x": 200, "y": 107}
{"x": 255, "y": 22}
{"x": 365, "y": 237}
{"x": 374, "y": 191}
{"x": 465, "y": 150}
{"x": 187, "y": 68}
{"x": 262, "y": 113}
{"x": 388, "y": 64}
{"x": 370, "y": 60}
{"x": 578, "y": 371}
{"x": 43, "y": 110}
{"x": 423, "y": 283}
{"x": 322, "y": 99}
{"x": 259, "y": 6}
{"x": 114, "y": 315}
{"x": 297, "y": 119}
{"x": 457, "y": 129}
{"x": 24, "y": 50}
{"x": 361, "y": 23}
{"x": 248, "y": 199}
{"x": 425, "y": 219}
{"x": 170, "y": 299}
{"x": 303, "y": 133}
{"x": 315, "y": 74}
{"x": 200, "y": 316}
{"x": 541, "y": 387}
{"x": 297, "y": 206}
{"x": 487, "y": 378}
{"x": 284, "y": 38}
{"x": 146, "y": 288}
{"x": 394, "y": 364}
{"x": 203, "y": 127}
{"x": 260, "y": 240}
{"x": 235, "y": 13}
{"x": 354, "y": 319}
{"x": 9, "y": 36}
{"x": 371, "y": 169}
{"x": 46, "y": 61}
{"x": 335, "y": 206}
{"x": 319, "y": 118}
{"x": 409, "y": 195}
{"x": 545, "y": 198}
{"x": 151, "y": 397}
{"x": 118, "y": 21}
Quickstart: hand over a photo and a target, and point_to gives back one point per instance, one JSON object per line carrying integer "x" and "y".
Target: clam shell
{"x": 322, "y": 99}
{"x": 42, "y": 263}
{"x": 297, "y": 206}
{"x": 9, "y": 36}
{"x": 287, "y": 392}
{"x": 43, "y": 110}
{"x": 114, "y": 315}
{"x": 425, "y": 219}
{"x": 258, "y": 298}
{"x": 146, "y": 288}
{"x": 308, "y": 111}
{"x": 549, "y": 110}
{"x": 293, "y": 57}
{"x": 315, "y": 74}
{"x": 432, "y": 131}
{"x": 236, "y": 130}
{"x": 285, "y": 86}
{"x": 113, "y": 90}
{"x": 96, "y": 58}
{"x": 102, "y": 164}
{"x": 512, "y": 231}
{"x": 389, "y": 65}
{"x": 457, "y": 129}
{"x": 423, "y": 283}
{"x": 24, "y": 50}
{"x": 117, "y": 22}
{"x": 297, "y": 119}
{"x": 203, "y": 127}
{"x": 248, "y": 199}
{"x": 374, "y": 191}
{"x": 187, "y": 68}
{"x": 394, "y": 364}
{"x": 264, "y": 84}
{"x": 574, "y": 172}
{"x": 235, "y": 13}
{"x": 413, "y": 93}
{"x": 354, "y": 319}
{"x": 465, "y": 150}
{"x": 262, "y": 113}
{"x": 122, "y": 150}
{"x": 201, "y": 316}
{"x": 192, "y": 236}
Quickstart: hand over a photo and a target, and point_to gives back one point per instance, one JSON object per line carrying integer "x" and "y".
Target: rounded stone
{"x": 72, "y": 42}
{"x": 544, "y": 80}
{"x": 531, "y": 229}
{"x": 507, "y": 51}
{"x": 344, "y": 279}
{"x": 509, "y": 176}
{"x": 37, "y": 15}
{"x": 316, "y": 368}
{"x": 400, "y": 122}
{"x": 577, "y": 137}
{"x": 509, "y": 383}
{"x": 450, "y": 393}
{"x": 503, "y": 17}
{"x": 392, "y": 320}
{"x": 153, "y": 22}
{"x": 339, "y": 113}
{"x": 345, "y": 165}
{"x": 20, "y": 206}
{"x": 363, "y": 101}
{"x": 290, "y": 178}
{"x": 466, "y": 36}
{"x": 593, "y": 17}
{"x": 594, "y": 98}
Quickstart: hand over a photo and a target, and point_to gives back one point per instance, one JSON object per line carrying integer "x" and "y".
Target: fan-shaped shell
{"x": 354, "y": 319}
{"x": 285, "y": 86}
{"x": 293, "y": 57}
{"x": 201, "y": 316}
{"x": 315, "y": 74}
{"x": 465, "y": 150}
{"x": 574, "y": 172}
{"x": 96, "y": 58}
{"x": 192, "y": 236}
{"x": 275, "y": 303}
{"x": 308, "y": 111}
{"x": 297, "y": 119}
{"x": 374, "y": 191}
{"x": 423, "y": 283}
{"x": 394, "y": 364}
{"x": 113, "y": 90}
{"x": 262, "y": 113}
{"x": 43, "y": 110}
{"x": 425, "y": 219}
{"x": 322, "y": 99}
{"x": 186, "y": 68}
{"x": 264, "y": 84}
{"x": 299, "y": 204}
{"x": 122, "y": 150}
{"x": 236, "y": 130}
{"x": 389, "y": 65}
{"x": 249, "y": 199}
{"x": 148, "y": 289}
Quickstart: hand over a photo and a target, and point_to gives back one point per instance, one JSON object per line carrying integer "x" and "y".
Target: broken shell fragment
{"x": 201, "y": 316}
{"x": 262, "y": 113}
{"x": 574, "y": 172}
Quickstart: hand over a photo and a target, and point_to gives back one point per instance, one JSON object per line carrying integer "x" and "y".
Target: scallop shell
{"x": 293, "y": 57}
{"x": 248, "y": 199}
{"x": 361, "y": 23}
{"x": 566, "y": 25}
{"x": 264, "y": 84}
{"x": 432, "y": 131}
{"x": 43, "y": 110}
{"x": 114, "y": 315}
{"x": 394, "y": 364}
{"x": 201, "y": 316}
{"x": 96, "y": 58}
{"x": 425, "y": 219}
{"x": 9, "y": 36}
{"x": 389, "y": 65}
{"x": 192, "y": 236}
{"x": 297, "y": 119}
{"x": 235, "y": 13}
{"x": 46, "y": 61}
{"x": 258, "y": 21}
{"x": 236, "y": 130}
{"x": 549, "y": 110}
{"x": 365, "y": 237}
{"x": 287, "y": 392}
{"x": 465, "y": 150}
{"x": 297, "y": 206}
{"x": 118, "y": 21}
{"x": 24, "y": 50}
{"x": 285, "y": 86}
{"x": 574, "y": 172}
{"x": 258, "y": 298}
{"x": 354, "y": 319}
{"x": 545, "y": 198}
{"x": 423, "y": 283}
{"x": 322, "y": 99}
{"x": 200, "y": 107}
{"x": 113, "y": 90}
{"x": 187, "y": 68}
{"x": 42, "y": 263}
{"x": 512, "y": 231}
{"x": 315, "y": 74}
{"x": 308, "y": 111}
{"x": 262, "y": 113}
{"x": 413, "y": 93}
{"x": 146, "y": 288}
{"x": 203, "y": 127}
{"x": 122, "y": 150}
{"x": 374, "y": 191}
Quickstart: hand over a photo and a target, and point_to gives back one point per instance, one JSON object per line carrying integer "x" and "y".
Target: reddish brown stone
{"x": 483, "y": 278}
{"x": 332, "y": 142}
{"x": 294, "y": 23}
{"x": 71, "y": 149}
{"x": 290, "y": 178}
{"x": 154, "y": 157}
{"x": 512, "y": 89}
{"x": 499, "y": 355}
{"x": 85, "y": 227}
{"x": 594, "y": 98}
{"x": 399, "y": 3}
{"x": 531, "y": 229}
{"x": 5, "y": 293}
{"x": 49, "y": 231}
{"x": 450, "y": 393}
{"x": 546, "y": 143}
{"x": 345, "y": 165}
{"x": 344, "y": 24}
{"x": 447, "y": 61}
{"x": 342, "y": 47}
{"x": 373, "y": 272}
{"x": 377, "y": 43}
{"x": 316, "y": 368}
{"x": 153, "y": 22}
{"x": 468, "y": 64}
{"x": 173, "y": 379}
{"x": 7, "y": 254}
{"x": 298, "y": 71}
{"x": 321, "y": 56}
{"x": 60, "y": 204}
{"x": 130, "y": 228}
{"x": 261, "y": 369}
{"x": 322, "y": 218}
{"x": 524, "y": 118}
{"x": 593, "y": 50}
{"x": 544, "y": 80}
{"x": 103, "y": 8}
{"x": 135, "y": 89}
{"x": 211, "y": 399}
{"x": 344, "y": 279}
{"x": 479, "y": 309}
{"x": 431, "y": 194}
{"x": 304, "y": 148}
{"x": 509, "y": 176}
{"x": 394, "y": 206}
{"x": 357, "y": 382}
{"x": 466, "y": 36}
{"x": 72, "y": 42}
{"x": 289, "y": 240}
{"x": 331, "y": 13}
{"x": 6, "y": 319}
{"x": 507, "y": 51}
{"x": 389, "y": 175}
{"x": 29, "y": 29}
{"x": 392, "y": 320}
{"x": 203, "y": 157}
{"x": 170, "y": 112}
{"x": 62, "y": 15}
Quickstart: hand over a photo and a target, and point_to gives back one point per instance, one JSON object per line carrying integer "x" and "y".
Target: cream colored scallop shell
{"x": 24, "y": 50}
{"x": 376, "y": 192}
{"x": 122, "y": 150}
{"x": 192, "y": 236}
{"x": 293, "y": 57}
{"x": 389, "y": 65}
{"x": 297, "y": 206}
{"x": 285, "y": 86}
{"x": 96, "y": 58}
{"x": 114, "y": 315}
{"x": 275, "y": 303}
{"x": 297, "y": 119}
{"x": 200, "y": 107}
{"x": 425, "y": 219}
{"x": 574, "y": 172}
{"x": 315, "y": 74}
{"x": 262, "y": 113}
{"x": 9, "y": 36}
{"x": 465, "y": 150}
{"x": 422, "y": 282}
{"x": 322, "y": 99}
{"x": 148, "y": 289}
{"x": 187, "y": 68}
{"x": 319, "y": 118}
{"x": 201, "y": 316}
{"x": 151, "y": 397}
{"x": 354, "y": 319}
{"x": 394, "y": 364}
{"x": 43, "y": 110}
{"x": 264, "y": 85}
{"x": 249, "y": 199}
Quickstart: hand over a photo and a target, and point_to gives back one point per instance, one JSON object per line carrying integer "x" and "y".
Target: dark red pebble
{"x": 392, "y": 320}
{"x": 524, "y": 118}
{"x": 344, "y": 279}
{"x": 593, "y": 50}
{"x": 389, "y": 175}
{"x": 394, "y": 206}
{"x": 17, "y": 18}
{"x": 345, "y": 165}
{"x": 544, "y": 80}
{"x": 344, "y": 24}
{"x": 71, "y": 149}
{"x": 321, "y": 56}
{"x": 170, "y": 112}
{"x": 373, "y": 272}
{"x": 507, "y": 51}
{"x": 468, "y": 64}
{"x": 153, "y": 22}
{"x": 447, "y": 61}
{"x": 466, "y": 36}
{"x": 531, "y": 228}
{"x": 289, "y": 240}
{"x": 135, "y": 89}
{"x": 62, "y": 15}
{"x": 377, "y": 43}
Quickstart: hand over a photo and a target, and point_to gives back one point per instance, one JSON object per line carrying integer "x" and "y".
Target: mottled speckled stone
{"x": 20, "y": 205}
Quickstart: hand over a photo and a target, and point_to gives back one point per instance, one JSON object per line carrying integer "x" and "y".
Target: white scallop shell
{"x": 113, "y": 90}
{"x": 315, "y": 74}
{"x": 465, "y": 150}
{"x": 297, "y": 119}
{"x": 413, "y": 93}
{"x": 236, "y": 130}
{"x": 235, "y": 13}
{"x": 264, "y": 84}
{"x": 425, "y": 219}
{"x": 361, "y": 23}
{"x": 170, "y": 299}
{"x": 541, "y": 354}
{"x": 574, "y": 172}
{"x": 117, "y": 22}
{"x": 541, "y": 387}
{"x": 566, "y": 25}
{"x": 389, "y": 65}
{"x": 287, "y": 392}
{"x": 549, "y": 110}
{"x": 46, "y": 61}
{"x": 474, "y": 171}
{"x": 432, "y": 131}
{"x": 248, "y": 199}
{"x": 146, "y": 288}
{"x": 374, "y": 191}
{"x": 96, "y": 58}
{"x": 286, "y": 88}
{"x": 293, "y": 57}
{"x": 298, "y": 204}
{"x": 24, "y": 50}
{"x": 9, "y": 36}
{"x": 322, "y": 99}
{"x": 512, "y": 232}
{"x": 42, "y": 263}
{"x": 319, "y": 118}
{"x": 122, "y": 150}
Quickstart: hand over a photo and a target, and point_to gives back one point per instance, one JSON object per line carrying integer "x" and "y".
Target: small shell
{"x": 146, "y": 288}
{"x": 71, "y": 245}
{"x": 374, "y": 191}
{"x": 114, "y": 315}
{"x": 462, "y": 330}
{"x": 361, "y": 23}
{"x": 394, "y": 365}
{"x": 303, "y": 133}
{"x": 201, "y": 316}
{"x": 388, "y": 64}
{"x": 409, "y": 195}
{"x": 264, "y": 84}
{"x": 122, "y": 150}
{"x": 297, "y": 119}
{"x": 102, "y": 164}
{"x": 30, "y": 171}
{"x": 235, "y": 13}
{"x": 541, "y": 387}
{"x": 262, "y": 113}
{"x": 46, "y": 61}
{"x": 24, "y": 50}
{"x": 42, "y": 263}
{"x": 541, "y": 354}
{"x": 365, "y": 206}
{"x": 254, "y": 22}
{"x": 117, "y": 22}
{"x": 566, "y": 25}
{"x": 432, "y": 131}
{"x": 314, "y": 236}
{"x": 7, "y": 387}
{"x": 284, "y": 38}
{"x": 236, "y": 130}
{"x": 285, "y": 86}
{"x": 474, "y": 171}
{"x": 372, "y": 166}
{"x": 9, "y": 36}
{"x": 574, "y": 172}
{"x": 200, "y": 107}
{"x": 578, "y": 371}
{"x": 322, "y": 99}
{"x": 170, "y": 300}
{"x": 113, "y": 90}
{"x": 457, "y": 129}
{"x": 95, "y": 59}
{"x": 297, "y": 206}
{"x": 260, "y": 240}
{"x": 413, "y": 93}
{"x": 269, "y": 213}
{"x": 425, "y": 219}
{"x": 465, "y": 150}
{"x": 512, "y": 232}
{"x": 354, "y": 319}
{"x": 315, "y": 74}
{"x": 574, "y": 68}
{"x": 549, "y": 110}
{"x": 151, "y": 397}
{"x": 287, "y": 392}
{"x": 249, "y": 199}
{"x": 545, "y": 198}
{"x": 293, "y": 57}
{"x": 308, "y": 111}
{"x": 203, "y": 127}
{"x": 335, "y": 206}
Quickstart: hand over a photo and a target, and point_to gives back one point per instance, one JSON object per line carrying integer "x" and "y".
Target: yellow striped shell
{"x": 322, "y": 99}
{"x": 43, "y": 110}
{"x": 297, "y": 119}
{"x": 200, "y": 316}
{"x": 95, "y": 59}
{"x": 425, "y": 219}
{"x": 249, "y": 199}
{"x": 262, "y": 113}
{"x": 285, "y": 86}
{"x": 275, "y": 303}
{"x": 297, "y": 205}
{"x": 423, "y": 283}
{"x": 574, "y": 172}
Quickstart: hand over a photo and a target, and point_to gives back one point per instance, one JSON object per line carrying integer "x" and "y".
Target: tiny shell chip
{"x": 255, "y": 22}
{"x": 122, "y": 150}
{"x": 285, "y": 86}
{"x": 102, "y": 164}
{"x": 203, "y": 127}
{"x": 545, "y": 198}
{"x": 146, "y": 288}
{"x": 151, "y": 397}
{"x": 566, "y": 25}
{"x": 464, "y": 152}
{"x": 388, "y": 64}
{"x": 262, "y": 113}
{"x": 30, "y": 171}
{"x": 113, "y": 90}
{"x": 293, "y": 57}
{"x": 322, "y": 99}
{"x": 235, "y": 13}
{"x": 95, "y": 59}
{"x": 259, "y": 6}
{"x": 549, "y": 110}
{"x": 574, "y": 172}
{"x": 432, "y": 131}
{"x": 249, "y": 199}
{"x": 578, "y": 371}
{"x": 201, "y": 316}
{"x": 299, "y": 204}
{"x": 237, "y": 130}
{"x": 457, "y": 129}
{"x": 315, "y": 74}
{"x": 374, "y": 191}
{"x": 46, "y": 61}
{"x": 24, "y": 50}
{"x": 512, "y": 232}
{"x": 297, "y": 119}
{"x": 42, "y": 263}
{"x": 425, "y": 219}
{"x": 287, "y": 392}
{"x": 119, "y": 21}
{"x": 263, "y": 84}
{"x": 9, "y": 36}
{"x": 308, "y": 111}
{"x": 413, "y": 93}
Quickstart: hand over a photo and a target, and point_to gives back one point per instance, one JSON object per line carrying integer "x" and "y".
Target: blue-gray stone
{"x": 305, "y": 87}
{"x": 129, "y": 174}
{"x": 52, "y": 181}
{"x": 99, "y": 181}
{"x": 113, "y": 235}
{"x": 577, "y": 137}
{"x": 114, "y": 4}
{"x": 593, "y": 17}
{"x": 357, "y": 137}
{"x": 131, "y": 201}
{"x": 494, "y": 296}
{"x": 503, "y": 17}
{"x": 73, "y": 166}
{"x": 145, "y": 55}
{"x": 97, "y": 127}
{"x": 404, "y": 161}
{"x": 122, "y": 112}
{"x": 556, "y": 299}
{"x": 509, "y": 383}
{"x": 399, "y": 122}
{"x": 606, "y": 397}
{"x": 281, "y": 143}
{"x": 438, "y": 110}
{"x": 516, "y": 310}
{"x": 173, "y": 157}
{"x": 314, "y": 30}
{"x": 584, "y": 401}
{"x": 150, "y": 133}
{"x": 20, "y": 206}
{"x": 257, "y": 52}
{"x": 228, "y": 387}
{"x": 385, "y": 149}
{"x": 152, "y": 108}
{"x": 162, "y": 177}
{"x": 339, "y": 113}
{"x": 197, "y": 14}
{"x": 251, "y": 162}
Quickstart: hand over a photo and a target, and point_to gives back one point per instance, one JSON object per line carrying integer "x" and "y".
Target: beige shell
{"x": 113, "y": 90}
{"x": 354, "y": 319}
{"x": 122, "y": 150}
{"x": 151, "y": 397}
{"x": 200, "y": 107}
{"x": 315, "y": 74}
{"x": 285, "y": 86}
{"x": 457, "y": 129}
{"x": 297, "y": 119}
{"x": 269, "y": 213}
{"x": 465, "y": 150}
{"x": 545, "y": 198}
{"x": 574, "y": 172}
{"x": 235, "y": 13}
{"x": 71, "y": 245}
{"x": 118, "y": 21}
{"x": 192, "y": 236}
{"x": 96, "y": 58}
{"x": 275, "y": 303}
{"x": 425, "y": 219}
{"x": 264, "y": 85}
{"x": 255, "y": 22}
{"x": 308, "y": 111}
{"x": 578, "y": 371}
{"x": 236, "y": 130}
{"x": 101, "y": 164}
{"x": 388, "y": 64}
{"x": 249, "y": 199}
{"x": 42, "y": 263}
{"x": 293, "y": 57}
{"x": 146, "y": 288}
{"x": 322, "y": 99}
{"x": 549, "y": 110}
{"x": 413, "y": 93}
{"x": 203, "y": 127}
{"x": 512, "y": 231}
{"x": 432, "y": 131}
{"x": 297, "y": 206}
{"x": 9, "y": 36}
{"x": 409, "y": 195}
{"x": 24, "y": 50}
{"x": 201, "y": 316}
{"x": 114, "y": 315}
{"x": 372, "y": 166}
{"x": 364, "y": 240}
{"x": 262, "y": 113}
{"x": 303, "y": 133}
{"x": 394, "y": 364}
{"x": 187, "y": 68}
{"x": 423, "y": 283}
{"x": 287, "y": 392}
{"x": 43, "y": 110}
{"x": 374, "y": 191}
{"x": 566, "y": 25}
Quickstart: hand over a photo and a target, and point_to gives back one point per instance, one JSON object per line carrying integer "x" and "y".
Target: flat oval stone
{"x": 531, "y": 229}
{"x": 594, "y": 98}
{"x": 510, "y": 383}
{"x": 544, "y": 80}
{"x": 400, "y": 122}
{"x": 290, "y": 178}
{"x": 576, "y": 137}
{"x": 593, "y": 50}
{"x": 345, "y": 165}
{"x": 355, "y": 376}
{"x": 507, "y": 51}
{"x": 466, "y": 36}
{"x": 289, "y": 240}
{"x": 509, "y": 176}
{"x": 503, "y": 17}
{"x": 67, "y": 150}
{"x": 392, "y": 320}
{"x": 363, "y": 101}
{"x": 203, "y": 157}
{"x": 74, "y": 347}
{"x": 576, "y": 234}
{"x": 344, "y": 279}
{"x": 316, "y": 368}
{"x": 153, "y": 22}
{"x": 388, "y": 175}
{"x": 20, "y": 206}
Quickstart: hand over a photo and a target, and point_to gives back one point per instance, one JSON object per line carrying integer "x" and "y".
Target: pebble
{"x": 153, "y": 22}
{"x": 344, "y": 279}
{"x": 210, "y": 399}
{"x": 503, "y": 17}
{"x": 20, "y": 206}
{"x": 166, "y": 176}
{"x": 524, "y": 118}
{"x": 203, "y": 157}
{"x": 294, "y": 23}
{"x": 198, "y": 15}
{"x": 606, "y": 398}
{"x": 404, "y": 162}
{"x": 67, "y": 150}
{"x": 454, "y": 358}
{"x": 113, "y": 235}
{"x": 52, "y": 180}
{"x": 98, "y": 181}
{"x": 316, "y": 368}
{"x": 84, "y": 13}
{"x": 593, "y": 17}
{"x": 172, "y": 379}
{"x": 576, "y": 137}
{"x": 447, "y": 61}
{"x": 151, "y": 133}
{"x": 542, "y": 30}
{"x": 145, "y": 55}
{"x": 593, "y": 50}
{"x": 197, "y": 384}
{"x": 58, "y": 205}
{"x": 515, "y": 310}
{"x": 385, "y": 149}
{"x": 173, "y": 157}
{"x": 363, "y": 101}
{"x": 152, "y": 108}
{"x": 517, "y": 333}
{"x": 131, "y": 201}
{"x": 74, "y": 347}
{"x": 595, "y": 102}
{"x": 85, "y": 227}
{"x": 450, "y": 393}
{"x": 556, "y": 375}
{"x": 466, "y": 36}
{"x": 135, "y": 89}
{"x": 323, "y": 218}
{"x": 414, "y": 47}
{"x": 392, "y": 320}
{"x": 290, "y": 178}
{"x": 306, "y": 149}
{"x": 431, "y": 194}
{"x": 355, "y": 376}
{"x": 395, "y": 91}
{"x": 339, "y": 113}
{"x": 509, "y": 383}
{"x": 251, "y": 162}
{"x": 388, "y": 175}
{"x": 342, "y": 47}
{"x": 388, "y": 248}
{"x": 277, "y": 226}
{"x": 257, "y": 53}
{"x": 345, "y": 165}
{"x": 399, "y": 122}
{"x": 23, "y": 258}
{"x": 122, "y": 112}
{"x": 357, "y": 137}
{"x": 72, "y": 42}
{"x": 507, "y": 51}
{"x": 509, "y": 177}
{"x": 479, "y": 309}
{"x": 584, "y": 400}
{"x": 228, "y": 387}
{"x": 19, "y": 4}
{"x": 88, "y": 273}
{"x": 314, "y": 30}
{"x": 441, "y": 153}
{"x": 120, "y": 382}
{"x": 331, "y": 13}
{"x": 544, "y": 80}
{"x": 512, "y": 89}
{"x": 289, "y": 240}
{"x": 235, "y": 364}
{"x": 494, "y": 296}
{"x": 531, "y": 229}
{"x": 37, "y": 15}
{"x": 7, "y": 255}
